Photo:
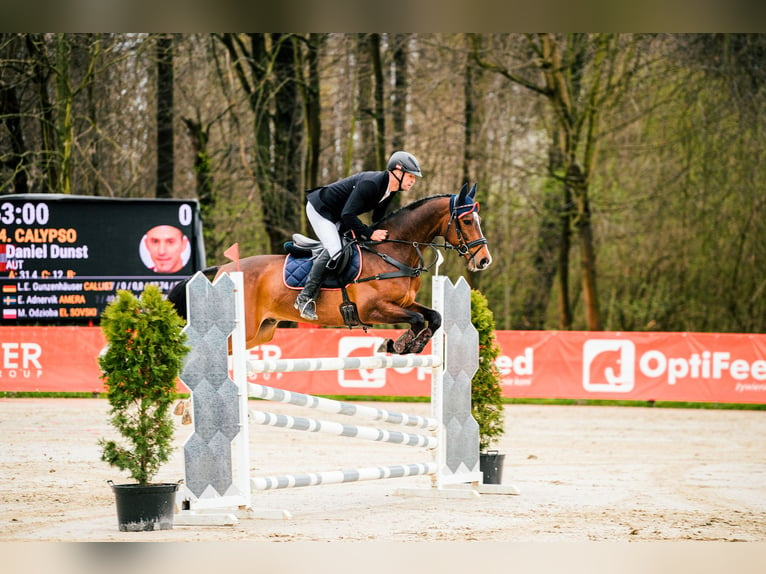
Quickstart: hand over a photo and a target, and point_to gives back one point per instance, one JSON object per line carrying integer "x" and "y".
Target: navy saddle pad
{"x": 297, "y": 268}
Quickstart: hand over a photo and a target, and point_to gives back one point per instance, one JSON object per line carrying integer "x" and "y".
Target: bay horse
{"x": 389, "y": 279}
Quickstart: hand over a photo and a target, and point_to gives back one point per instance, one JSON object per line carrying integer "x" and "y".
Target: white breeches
{"x": 325, "y": 230}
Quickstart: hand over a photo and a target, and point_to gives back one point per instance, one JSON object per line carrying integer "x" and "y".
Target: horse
{"x": 384, "y": 292}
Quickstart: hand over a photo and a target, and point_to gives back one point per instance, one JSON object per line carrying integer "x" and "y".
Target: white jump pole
{"x": 341, "y": 407}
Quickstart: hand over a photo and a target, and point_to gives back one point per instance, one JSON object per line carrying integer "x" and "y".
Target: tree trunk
{"x": 40, "y": 76}
{"x": 379, "y": 116}
{"x": 565, "y": 219}
{"x": 313, "y": 111}
{"x": 259, "y": 95}
{"x": 472, "y": 122}
{"x": 399, "y": 94}
{"x": 165, "y": 164}
{"x": 365, "y": 116}
{"x": 200, "y": 136}
{"x": 546, "y": 257}
{"x": 469, "y": 127}
{"x": 10, "y": 115}
{"x": 399, "y": 101}
{"x": 284, "y": 206}
{"x": 64, "y": 104}
{"x": 94, "y": 143}
{"x": 576, "y": 181}
{"x": 564, "y": 87}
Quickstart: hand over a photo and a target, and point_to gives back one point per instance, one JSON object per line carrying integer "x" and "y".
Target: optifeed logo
{"x": 609, "y": 365}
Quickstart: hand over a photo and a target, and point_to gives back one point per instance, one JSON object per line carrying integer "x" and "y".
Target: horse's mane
{"x": 409, "y": 207}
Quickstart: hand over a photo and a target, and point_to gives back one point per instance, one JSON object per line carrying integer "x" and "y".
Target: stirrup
{"x": 307, "y": 309}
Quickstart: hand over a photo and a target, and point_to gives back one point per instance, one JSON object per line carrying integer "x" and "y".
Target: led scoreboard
{"x": 63, "y": 257}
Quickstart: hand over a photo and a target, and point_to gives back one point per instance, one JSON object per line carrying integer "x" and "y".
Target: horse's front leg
{"x": 434, "y": 321}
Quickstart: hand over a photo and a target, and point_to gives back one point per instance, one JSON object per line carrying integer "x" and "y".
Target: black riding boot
{"x": 306, "y": 301}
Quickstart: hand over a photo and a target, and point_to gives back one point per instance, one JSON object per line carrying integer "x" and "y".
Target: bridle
{"x": 463, "y": 247}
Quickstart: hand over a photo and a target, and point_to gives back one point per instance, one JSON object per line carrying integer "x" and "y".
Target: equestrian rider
{"x": 335, "y": 208}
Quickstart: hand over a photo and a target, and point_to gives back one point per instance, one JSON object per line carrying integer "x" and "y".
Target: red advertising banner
{"x": 50, "y": 359}
{"x": 693, "y": 367}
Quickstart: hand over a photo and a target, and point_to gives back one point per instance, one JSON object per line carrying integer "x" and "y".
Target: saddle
{"x": 303, "y": 250}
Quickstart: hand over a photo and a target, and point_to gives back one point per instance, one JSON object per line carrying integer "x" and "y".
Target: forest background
{"x": 618, "y": 174}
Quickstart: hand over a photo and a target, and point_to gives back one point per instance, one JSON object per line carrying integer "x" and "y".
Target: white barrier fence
{"x": 217, "y": 476}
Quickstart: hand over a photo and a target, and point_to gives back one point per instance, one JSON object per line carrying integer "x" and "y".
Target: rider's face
{"x": 408, "y": 180}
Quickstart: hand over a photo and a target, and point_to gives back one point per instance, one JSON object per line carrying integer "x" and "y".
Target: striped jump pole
{"x": 340, "y": 429}
{"x": 342, "y": 363}
{"x": 342, "y": 476}
{"x": 340, "y": 407}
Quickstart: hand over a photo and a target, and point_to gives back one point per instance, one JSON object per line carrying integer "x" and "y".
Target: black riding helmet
{"x": 405, "y": 162}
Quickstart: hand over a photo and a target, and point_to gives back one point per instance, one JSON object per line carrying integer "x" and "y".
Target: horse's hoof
{"x": 402, "y": 344}
{"x": 420, "y": 342}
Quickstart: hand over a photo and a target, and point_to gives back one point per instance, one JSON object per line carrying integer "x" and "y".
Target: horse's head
{"x": 464, "y": 229}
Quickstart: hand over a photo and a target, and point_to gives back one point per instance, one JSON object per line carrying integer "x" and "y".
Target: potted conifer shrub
{"x": 140, "y": 365}
{"x": 486, "y": 391}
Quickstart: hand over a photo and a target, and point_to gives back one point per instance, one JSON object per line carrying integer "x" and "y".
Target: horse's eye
{"x": 468, "y": 221}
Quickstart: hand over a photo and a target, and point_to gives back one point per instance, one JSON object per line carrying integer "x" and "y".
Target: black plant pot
{"x": 491, "y": 464}
{"x": 142, "y": 507}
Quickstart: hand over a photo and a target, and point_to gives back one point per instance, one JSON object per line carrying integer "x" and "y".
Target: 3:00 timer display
{"x": 26, "y": 213}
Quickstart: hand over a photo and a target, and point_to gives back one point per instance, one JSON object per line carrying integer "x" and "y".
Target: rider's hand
{"x": 379, "y": 235}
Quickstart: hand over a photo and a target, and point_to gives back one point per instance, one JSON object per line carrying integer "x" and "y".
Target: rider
{"x": 336, "y": 208}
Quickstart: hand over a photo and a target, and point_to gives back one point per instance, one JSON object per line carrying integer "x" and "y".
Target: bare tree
{"x": 378, "y": 113}
{"x": 399, "y": 94}
{"x": 15, "y": 159}
{"x": 165, "y": 108}
{"x": 580, "y": 76}
{"x": 313, "y": 109}
{"x": 365, "y": 118}
{"x": 266, "y": 68}
{"x": 41, "y": 72}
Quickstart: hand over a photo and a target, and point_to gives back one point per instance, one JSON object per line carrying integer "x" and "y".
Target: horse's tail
{"x": 177, "y": 294}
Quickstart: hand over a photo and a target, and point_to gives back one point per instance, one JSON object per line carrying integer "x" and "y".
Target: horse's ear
{"x": 472, "y": 193}
{"x": 461, "y": 196}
